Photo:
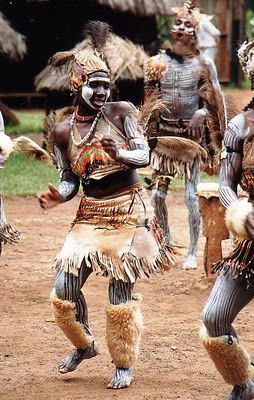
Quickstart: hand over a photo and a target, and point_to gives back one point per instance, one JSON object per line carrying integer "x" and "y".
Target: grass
{"x": 22, "y": 176}
{"x": 29, "y": 122}
{"x": 26, "y": 177}
{"x": 178, "y": 183}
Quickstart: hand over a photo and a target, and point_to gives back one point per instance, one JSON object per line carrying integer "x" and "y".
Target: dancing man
{"x": 234, "y": 287}
{"x": 188, "y": 84}
{"x": 114, "y": 232}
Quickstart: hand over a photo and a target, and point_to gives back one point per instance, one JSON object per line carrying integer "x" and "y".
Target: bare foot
{"x": 71, "y": 362}
{"x": 243, "y": 392}
{"x": 190, "y": 262}
{"x": 122, "y": 379}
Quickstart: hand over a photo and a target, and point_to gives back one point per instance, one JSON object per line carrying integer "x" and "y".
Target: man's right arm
{"x": 69, "y": 184}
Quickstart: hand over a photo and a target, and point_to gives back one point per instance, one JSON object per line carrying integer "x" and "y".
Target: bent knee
{"x": 60, "y": 291}
{"x": 212, "y": 320}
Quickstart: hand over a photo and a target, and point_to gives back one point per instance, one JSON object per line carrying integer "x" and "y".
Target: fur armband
{"x": 154, "y": 69}
{"x": 236, "y": 216}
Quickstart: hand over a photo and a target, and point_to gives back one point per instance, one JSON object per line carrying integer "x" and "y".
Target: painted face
{"x": 96, "y": 91}
{"x": 246, "y": 57}
{"x": 183, "y": 29}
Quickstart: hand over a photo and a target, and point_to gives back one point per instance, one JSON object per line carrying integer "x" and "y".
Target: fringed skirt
{"x": 116, "y": 237}
{"x": 239, "y": 263}
{"x": 176, "y": 156}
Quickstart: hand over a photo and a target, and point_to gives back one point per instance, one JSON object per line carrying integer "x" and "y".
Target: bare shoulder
{"x": 236, "y": 132}
{"x": 121, "y": 108}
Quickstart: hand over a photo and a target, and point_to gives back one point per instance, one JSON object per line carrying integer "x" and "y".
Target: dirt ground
{"x": 172, "y": 363}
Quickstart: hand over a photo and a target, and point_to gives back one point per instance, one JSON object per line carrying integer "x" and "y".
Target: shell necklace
{"x": 73, "y": 125}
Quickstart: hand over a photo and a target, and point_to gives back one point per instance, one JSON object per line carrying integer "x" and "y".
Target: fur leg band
{"x": 123, "y": 332}
{"x": 64, "y": 312}
{"x": 236, "y": 216}
{"x": 231, "y": 360}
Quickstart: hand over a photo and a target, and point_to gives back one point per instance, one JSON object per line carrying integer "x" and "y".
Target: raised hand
{"x": 50, "y": 198}
{"x": 196, "y": 126}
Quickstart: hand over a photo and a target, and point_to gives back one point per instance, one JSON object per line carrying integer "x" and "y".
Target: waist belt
{"x": 173, "y": 127}
{"x": 180, "y": 123}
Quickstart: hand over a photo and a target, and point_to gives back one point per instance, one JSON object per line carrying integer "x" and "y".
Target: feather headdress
{"x": 190, "y": 10}
{"x": 84, "y": 62}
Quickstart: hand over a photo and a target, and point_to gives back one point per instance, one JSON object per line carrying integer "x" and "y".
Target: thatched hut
{"x": 125, "y": 60}
{"x": 143, "y": 7}
{"x": 12, "y": 43}
{"x": 51, "y": 26}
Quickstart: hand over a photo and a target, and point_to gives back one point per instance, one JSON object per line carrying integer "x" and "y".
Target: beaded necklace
{"x": 73, "y": 125}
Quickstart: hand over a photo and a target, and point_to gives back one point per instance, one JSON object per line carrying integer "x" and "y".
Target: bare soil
{"x": 172, "y": 363}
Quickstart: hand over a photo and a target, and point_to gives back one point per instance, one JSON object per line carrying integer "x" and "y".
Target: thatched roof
{"x": 12, "y": 43}
{"x": 143, "y": 7}
{"x": 138, "y": 7}
{"x": 125, "y": 60}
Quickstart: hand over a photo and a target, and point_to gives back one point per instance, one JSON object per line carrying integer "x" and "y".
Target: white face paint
{"x": 183, "y": 29}
{"x": 89, "y": 92}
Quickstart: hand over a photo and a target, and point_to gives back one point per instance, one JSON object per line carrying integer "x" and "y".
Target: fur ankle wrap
{"x": 231, "y": 360}
{"x": 236, "y": 216}
{"x": 123, "y": 332}
{"x": 64, "y": 313}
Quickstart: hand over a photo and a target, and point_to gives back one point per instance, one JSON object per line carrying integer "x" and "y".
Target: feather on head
{"x": 189, "y": 10}
{"x": 84, "y": 62}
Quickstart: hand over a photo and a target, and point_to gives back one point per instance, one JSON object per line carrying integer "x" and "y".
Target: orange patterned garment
{"x": 89, "y": 158}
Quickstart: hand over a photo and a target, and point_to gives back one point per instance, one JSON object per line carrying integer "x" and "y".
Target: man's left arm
{"x": 137, "y": 153}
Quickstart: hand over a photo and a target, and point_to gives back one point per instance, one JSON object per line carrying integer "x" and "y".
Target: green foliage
{"x": 26, "y": 177}
{"x": 164, "y": 26}
{"x": 250, "y": 23}
{"x": 29, "y": 122}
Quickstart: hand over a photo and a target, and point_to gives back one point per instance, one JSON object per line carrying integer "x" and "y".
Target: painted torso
{"x": 179, "y": 86}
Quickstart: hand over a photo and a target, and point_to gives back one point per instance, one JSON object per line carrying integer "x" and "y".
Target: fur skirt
{"x": 117, "y": 237}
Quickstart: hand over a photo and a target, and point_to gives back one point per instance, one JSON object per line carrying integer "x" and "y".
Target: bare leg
{"x": 120, "y": 292}
{"x": 194, "y": 215}
{"x": 228, "y": 297}
{"x": 68, "y": 287}
{"x": 158, "y": 201}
